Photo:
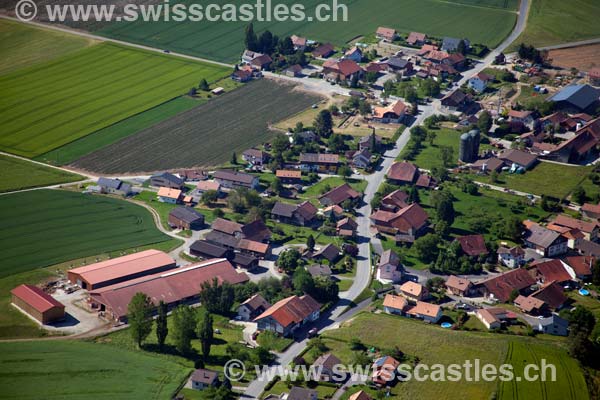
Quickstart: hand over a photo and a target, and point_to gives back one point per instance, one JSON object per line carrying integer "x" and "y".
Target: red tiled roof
{"x": 283, "y": 173}
{"x": 340, "y": 194}
{"x": 566, "y": 221}
{"x": 398, "y": 108}
{"x": 403, "y": 171}
{"x": 473, "y": 245}
{"x": 291, "y": 310}
{"x": 551, "y": 294}
{"x": 553, "y": 270}
{"x": 502, "y": 285}
{"x": 591, "y": 208}
{"x": 424, "y": 308}
{"x": 455, "y": 282}
{"x": 582, "y": 265}
{"x": 414, "y": 37}
{"x": 387, "y": 33}
{"x": 36, "y": 298}
{"x": 393, "y": 301}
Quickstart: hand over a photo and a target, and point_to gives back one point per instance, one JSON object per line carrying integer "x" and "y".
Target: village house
{"x": 289, "y": 314}
{"x": 389, "y": 268}
{"x": 459, "y": 286}
{"x": 293, "y": 71}
{"x": 523, "y": 117}
{"x": 262, "y": 62}
{"x": 319, "y": 162}
{"x": 319, "y": 270}
{"x": 329, "y": 252}
{"x": 384, "y": 370}
{"x": 242, "y": 75}
{"x": 589, "y": 229}
{"x": 480, "y": 82}
{"x": 38, "y": 304}
{"x": 298, "y": 42}
{"x": 406, "y": 224}
{"x": 456, "y": 100}
{"x": 361, "y": 159}
{"x": 297, "y": 214}
{"x": 256, "y": 158}
{"x": 327, "y": 365}
{"x": 397, "y": 64}
{"x": 204, "y": 378}
{"x": 487, "y": 165}
{"x": 531, "y": 305}
{"x": 246, "y": 261}
{"x": 591, "y": 211}
{"x": 416, "y": 39}
{"x": 426, "y": 311}
{"x": 346, "y": 227}
{"x": 394, "y": 113}
{"x": 452, "y": 44}
{"x": 495, "y": 317}
{"x": 168, "y": 195}
{"x": 512, "y": 257}
{"x": 552, "y": 325}
{"x": 552, "y": 294}
{"x": 166, "y": 179}
{"x": 502, "y": 286}
{"x": 393, "y": 304}
{"x": 544, "y": 241}
{"x": 339, "y": 195}
{"x": 354, "y": 54}
{"x": 207, "y": 250}
{"x": 300, "y": 393}
{"x": 252, "y": 308}
{"x": 414, "y": 291}
{"x": 205, "y": 186}
{"x": 370, "y": 142}
{"x": 386, "y": 34}
{"x": 553, "y": 271}
{"x": 594, "y": 76}
{"x": 185, "y": 218}
{"x": 395, "y": 201}
{"x": 581, "y": 266}
{"x": 192, "y": 175}
{"x": 360, "y": 395}
{"x": 289, "y": 176}
{"x": 114, "y": 186}
{"x": 323, "y": 51}
{"x": 333, "y": 212}
{"x": 473, "y": 245}
{"x": 235, "y": 179}
{"x": 403, "y": 173}
{"x": 342, "y": 70}
{"x": 579, "y": 148}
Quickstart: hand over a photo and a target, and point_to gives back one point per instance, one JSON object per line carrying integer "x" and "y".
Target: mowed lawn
{"x": 224, "y": 41}
{"x": 558, "y": 21}
{"x": 72, "y": 151}
{"x": 17, "y": 174}
{"x": 45, "y": 227}
{"x": 433, "y": 345}
{"x": 206, "y": 135}
{"x": 23, "y": 46}
{"x": 50, "y": 104}
{"x": 76, "y": 370}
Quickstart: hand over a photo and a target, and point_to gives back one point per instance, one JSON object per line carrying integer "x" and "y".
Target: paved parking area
{"x": 78, "y": 319}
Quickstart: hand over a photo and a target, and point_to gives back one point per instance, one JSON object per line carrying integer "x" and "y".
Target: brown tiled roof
{"x": 234, "y": 176}
{"x": 424, "y": 308}
{"x": 340, "y": 194}
{"x": 256, "y": 302}
{"x": 529, "y": 303}
{"x": 518, "y": 156}
{"x": 330, "y": 252}
{"x": 553, "y": 270}
{"x": 328, "y": 361}
{"x": 320, "y": 158}
{"x": 393, "y": 301}
{"x": 551, "y": 294}
{"x": 291, "y": 310}
{"x": 360, "y": 395}
{"x": 591, "y": 208}
{"x": 398, "y": 108}
{"x": 455, "y": 282}
{"x": 473, "y": 245}
{"x": 582, "y": 265}
{"x": 412, "y": 288}
{"x": 566, "y": 221}
{"x": 284, "y": 173}
{"x": 251, "y": 245}
{"x": 414, "y": 37}
{"x": 205, "y": 376}
{"x": 323, "y": 50}
{"x": 502, "y": 285}
{"x": 284, "y": 209}
{"x": 256, "y": 230}
{"x": 387, "y": 33}
{"x": 397, "y": 198}
{"x": 36, "y": 298}
{"x": 403, "y": 171}
{"x": 307, "y": 210}
{"x": 226, "y": 226}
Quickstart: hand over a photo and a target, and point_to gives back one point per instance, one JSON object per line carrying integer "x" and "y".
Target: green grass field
{"x": 433, "y": 344}
{"x": 224, "y": 41}
{"x": 17, "y": 174}
{"x": 73, "y": 369}
{"x": 23, "y": 46}
{"x": 545, "y": 178}
{"x": 51, "y": 104}
{"x": 45, "y": 227}
{"x": 105, "y": 136}
{"x": 555, "y": 21}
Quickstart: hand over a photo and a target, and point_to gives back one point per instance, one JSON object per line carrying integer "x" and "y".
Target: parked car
{"x": 313, "y": 332}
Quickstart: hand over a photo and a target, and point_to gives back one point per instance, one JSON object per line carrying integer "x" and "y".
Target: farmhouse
{"x": 589, "y": 229}
{"x": 289, "y": 314}
{"x": 395, "y": 201}
{"x": 544, "y": 241}
{"x": 591, "y": 211}
{"x": 300, "y": 214}
{"x": 511, "y": 257}
{"x": 522, "y": 117}
{"x": 173, "y": 287}
{"x": 501, "y": 286}
{"x": 339, "y": 195}
{"x": 252, "y": 308}
{"x": 386, "y": 34}
{"x": 342, "y": 70}
{"x": 38, "y": 304}
{"x": 394, "y": 113}
{"x": 414, "y": 291}
{"x": 393, "y": 304}
{"x": 246, "y": 261}
{"x": 255, "y": 157}
{"x": 120, "y": 269}
{"x": 457, "y": 100}
{"x": 235, "y": 179}
{"x": 293, "y": 71}
{"x": 552, "y": 271}
{"x": 204, "y": 378}
{"x": 207, "y": 250}
{"x": 323, "y": 51}
{"x": 319, "y": 162}
{"x": 403, "y": 173}
{"x": 389, "y": 268}
{"x": 581, "y": 265}
{"x": 166, "y": 179}
{"x": 473, "y": 245}
{"x": 416, "y": 39}
{"x": 459, "y": 286}
{"x": 168, "y": 195}
{"x": 114, "y": 186}
{"x": 518, "y": 158}
{"x": 407, "y": 224}
{"x": 186, "y": 218}
{"x": 289, "y": 176}
{"x": 242, "y": 75}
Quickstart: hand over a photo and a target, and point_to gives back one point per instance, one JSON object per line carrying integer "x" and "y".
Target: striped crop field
{"x": 50, "y": 104}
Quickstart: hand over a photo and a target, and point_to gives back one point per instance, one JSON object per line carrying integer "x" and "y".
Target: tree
{"x": 485, "y": 122}
{"x": 364, "y": 108}
{"x": 596, "y": 273}
{"x": 494, "y": 176}
{"x": 139, "y": 316}
{"x": 217, "y": 298}
{"x": 277, "y": 186}
{"x": 513, "y": 295}
{"x": 336, "y": 143}
{"x": 579, "y": 195}
{"x": 203, "y": 85}
{"x": 445, "y": 210}
{"x": 234, "y": 159}
{"x": 162, "y": 329}
{"x": 511, "y": 228}
{"x": 582, "y": 320}
{"x": 303, "y": 281}
{"x": 426, "y": 247}
{"x": 324, "y": 124}
{"x": 413, "y": 195}
{"x": 310, "y": 242}
{"x": 462, "y": 47}
{"x": 266, "y": 43}
{"x": 250, "y": 41}
{"x": 288, "y": 260}
{"x": 345, "y": 171}
{"x": 286, "y": 46}
{"x": 192, "y": 92}
{"x": 184, "y": 323}
{"x": 210, "y": 196}
{"x": 204, "y": 331}
{"x": 431, "y": 136}
{"x": 447, "y": 155}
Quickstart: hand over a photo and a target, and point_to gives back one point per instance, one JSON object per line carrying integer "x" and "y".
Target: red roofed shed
{"x": 35, "y": 302}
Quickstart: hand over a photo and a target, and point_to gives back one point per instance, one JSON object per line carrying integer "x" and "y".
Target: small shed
{"x": 38, "y": 304}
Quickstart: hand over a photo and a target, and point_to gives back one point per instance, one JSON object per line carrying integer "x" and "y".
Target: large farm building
{"x": 121, "y": 269}
{"x": 173, "y": 287}
{"x": 38, "y": 304}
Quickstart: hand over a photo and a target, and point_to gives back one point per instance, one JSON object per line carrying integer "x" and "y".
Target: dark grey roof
{"x": 243, "y": 259}
{"x": 222, "y": 238}
{"x": 451, "y": 44}
{"x": 284, "y": 209}
{"x": 397, "y": 62}
{"x": 554, "y": 319}
{"x": 187, "y": 214}
{"x": 169, "y": 177}
{"x": 587, "y": 248}
{"x": 330, "y": 252}
{"x": 389, "y": 257}
{"x": 581, "y": 96}
{"x": 541, "y": 236}
{"x": 319, "y": 270}
{"x": 234, "y": 176}
{"x": 209, "y": 249}
{"x": 109, "y": 183}
{"x": 299, "y": 393}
